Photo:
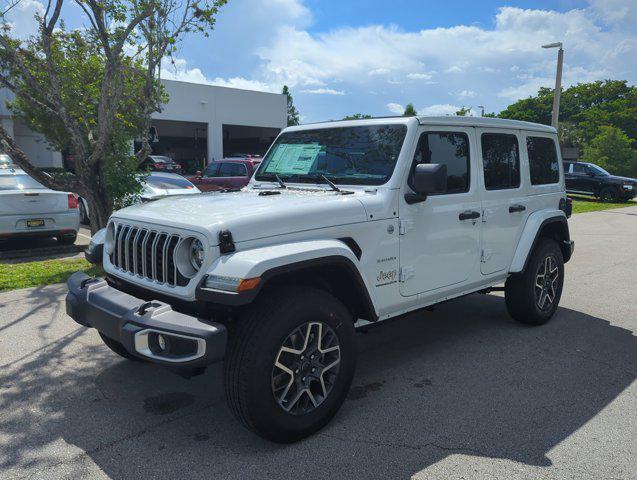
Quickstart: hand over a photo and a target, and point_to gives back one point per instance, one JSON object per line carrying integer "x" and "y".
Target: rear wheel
{"x": 532, "y": 297}
{"x": 290, "y": 363}
{"x": 609, "y": 195}
{"x": 119, "y": 349}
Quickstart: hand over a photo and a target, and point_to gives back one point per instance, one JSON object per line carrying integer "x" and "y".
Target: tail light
{"x": 158, "y": 166}
{"x": 73, "y": 201}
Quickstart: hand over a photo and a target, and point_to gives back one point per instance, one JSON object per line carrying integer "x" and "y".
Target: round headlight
{"x": 109, "y": 239}
{"x": 197, "y": 253}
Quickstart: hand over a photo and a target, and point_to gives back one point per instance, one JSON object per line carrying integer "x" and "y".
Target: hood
{"x": 249, "y": 214}
{"x": 622, "y": 179}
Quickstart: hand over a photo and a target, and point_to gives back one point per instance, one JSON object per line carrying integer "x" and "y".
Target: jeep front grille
{"x": 147, "y": 254}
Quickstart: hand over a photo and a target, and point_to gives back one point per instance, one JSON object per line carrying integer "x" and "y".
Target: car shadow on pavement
{"x": 463, "y": 379}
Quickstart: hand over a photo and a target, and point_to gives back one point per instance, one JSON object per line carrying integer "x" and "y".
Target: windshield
{"x": 19, "y": 182}
{"x": 598, "y": 170}
{"x": 346, "y": 155}
{"x": 168, "y": 183}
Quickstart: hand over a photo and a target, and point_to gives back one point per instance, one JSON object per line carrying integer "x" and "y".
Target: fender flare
{"x": 276, "y": 260}
{"x": 531, "y": 235}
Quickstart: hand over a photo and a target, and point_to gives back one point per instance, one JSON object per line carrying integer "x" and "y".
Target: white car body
{"x": 30, "y": 209}
{"x": 411, "y": 255}
{"x": 156, "y": 189}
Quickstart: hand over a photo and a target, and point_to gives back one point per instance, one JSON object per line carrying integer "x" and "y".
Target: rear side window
{"x": 501, "y": 161}
{"x": 450, "y": 149}
{"x": 232, "y": 170}
{"x": 543, "y": 161}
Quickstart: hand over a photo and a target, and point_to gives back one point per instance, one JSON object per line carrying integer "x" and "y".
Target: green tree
{"x": 293, "y": 113}
{"x": 357, "y": 116}
{"x": 410, "y": 111}
{"x": 90, "y": 92}
{"x": 586, "y": 106}
{"x": 464, "y": 112}
{"x": 612, "y": 150}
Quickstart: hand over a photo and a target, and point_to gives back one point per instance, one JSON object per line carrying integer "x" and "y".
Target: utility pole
{"x": 481, "y": 107}
{"x": 558, "y": 82}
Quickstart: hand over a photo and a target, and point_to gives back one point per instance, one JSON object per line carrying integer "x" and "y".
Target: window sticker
{"x": 293, "y": 158}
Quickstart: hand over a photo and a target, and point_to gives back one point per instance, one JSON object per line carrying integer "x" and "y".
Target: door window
{"x": 543, "y": 161}
{"x": 228, "y": 169}
{"x": 211, "y": 170}
{"x": 579, "y": 169}
{"x": 501, "y": 161}
{"x": 446, "y": 148}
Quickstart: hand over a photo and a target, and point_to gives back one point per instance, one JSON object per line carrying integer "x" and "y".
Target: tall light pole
{"x": 481, "y": 107}
{"x": 558, "y": 82}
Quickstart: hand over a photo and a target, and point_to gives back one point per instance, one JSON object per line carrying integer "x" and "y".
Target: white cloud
{"x": 439, "y": 109}
{"x": 324, "y": 91}
{"x": 502, "y": 61}
{"x": 419, "y": 76}
{"x": 396, "y": 108}
{"x": 466, "y": 94}
{"x": 21, "y": 18}
{"x": 178, "y": 70}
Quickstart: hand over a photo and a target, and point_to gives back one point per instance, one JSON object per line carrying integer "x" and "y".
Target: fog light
{"x": 161, "y": 341}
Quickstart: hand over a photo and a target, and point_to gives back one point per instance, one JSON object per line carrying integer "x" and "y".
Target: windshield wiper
{"x": 329, "y": 182}
{"x": 276, "y": 177}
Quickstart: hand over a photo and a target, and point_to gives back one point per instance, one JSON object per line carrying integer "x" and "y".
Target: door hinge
{"x": 405, "y": 226}
{"x": 406, "y": 273}
{"x": 486, "y": 256}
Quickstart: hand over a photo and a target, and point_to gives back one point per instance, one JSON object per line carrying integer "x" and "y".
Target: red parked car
{"x": 234, "y": 173}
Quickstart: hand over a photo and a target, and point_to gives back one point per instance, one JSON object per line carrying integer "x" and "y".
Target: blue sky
{"x": 354, "y": 56}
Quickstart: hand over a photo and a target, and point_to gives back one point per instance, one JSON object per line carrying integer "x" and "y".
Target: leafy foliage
{"x": 585, "y": 106}
{"x": 357, "y": 116}
{"x": 611, "y": 149}
{"x": 293, "y": 113}
{"x": 91, "y": 91}
{"x": 410, "y": 111}
{"x": 463, "y": 112}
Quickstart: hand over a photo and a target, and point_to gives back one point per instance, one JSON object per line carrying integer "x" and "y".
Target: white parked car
{"x": 156, "y": 185}
{"x": 343, "y": 224}
{"x": 29, "y": 209}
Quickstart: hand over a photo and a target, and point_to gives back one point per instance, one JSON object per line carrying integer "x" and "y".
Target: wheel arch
{"x": 553, "y": 225}
{"x": 327, "y": 264}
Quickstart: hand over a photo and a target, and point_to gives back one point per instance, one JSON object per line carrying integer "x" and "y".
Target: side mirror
{"x": 198, "y": 174}
{"x": 429, "y": 178}
{"x": 591, "y": 174}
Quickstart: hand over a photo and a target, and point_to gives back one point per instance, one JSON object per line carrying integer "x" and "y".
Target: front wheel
{"x": 290, "y": 363}
{"x": 532, "y": 297}
{"x": 609, "y": 195}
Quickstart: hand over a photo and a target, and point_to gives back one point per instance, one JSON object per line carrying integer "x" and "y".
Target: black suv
{"x": 590, "y": 179}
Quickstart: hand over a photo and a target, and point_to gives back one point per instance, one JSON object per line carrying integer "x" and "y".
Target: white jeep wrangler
{"x": 344, "y": 223}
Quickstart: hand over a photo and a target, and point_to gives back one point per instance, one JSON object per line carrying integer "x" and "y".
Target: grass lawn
{"x": 583, "y": 204}
{"x": 46, "y": 272}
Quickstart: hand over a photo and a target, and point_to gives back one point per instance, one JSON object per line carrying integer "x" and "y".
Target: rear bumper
{"x": 55, "y": 224}
{"x": 143, "y": 327}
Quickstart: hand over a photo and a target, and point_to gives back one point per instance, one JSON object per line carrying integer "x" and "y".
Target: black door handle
{"x": 469, "y": 215}
{"x": 516, "y": 208}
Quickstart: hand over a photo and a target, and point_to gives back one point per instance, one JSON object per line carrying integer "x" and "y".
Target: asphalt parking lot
{"x": 460, "y": 392}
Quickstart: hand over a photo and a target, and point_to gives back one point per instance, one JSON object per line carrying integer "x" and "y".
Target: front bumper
{"x": 150, "y": 330}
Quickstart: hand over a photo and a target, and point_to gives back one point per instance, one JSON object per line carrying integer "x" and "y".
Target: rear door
{"x": 439, "y": 238}
{"x": 504, "y": 203}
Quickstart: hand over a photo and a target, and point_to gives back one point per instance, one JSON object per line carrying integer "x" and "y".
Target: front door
{"x": 439, "y": 237}
{"x": 504, "y": 203}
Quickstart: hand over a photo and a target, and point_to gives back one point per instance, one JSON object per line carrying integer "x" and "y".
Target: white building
{"x": 198, "y": 124}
